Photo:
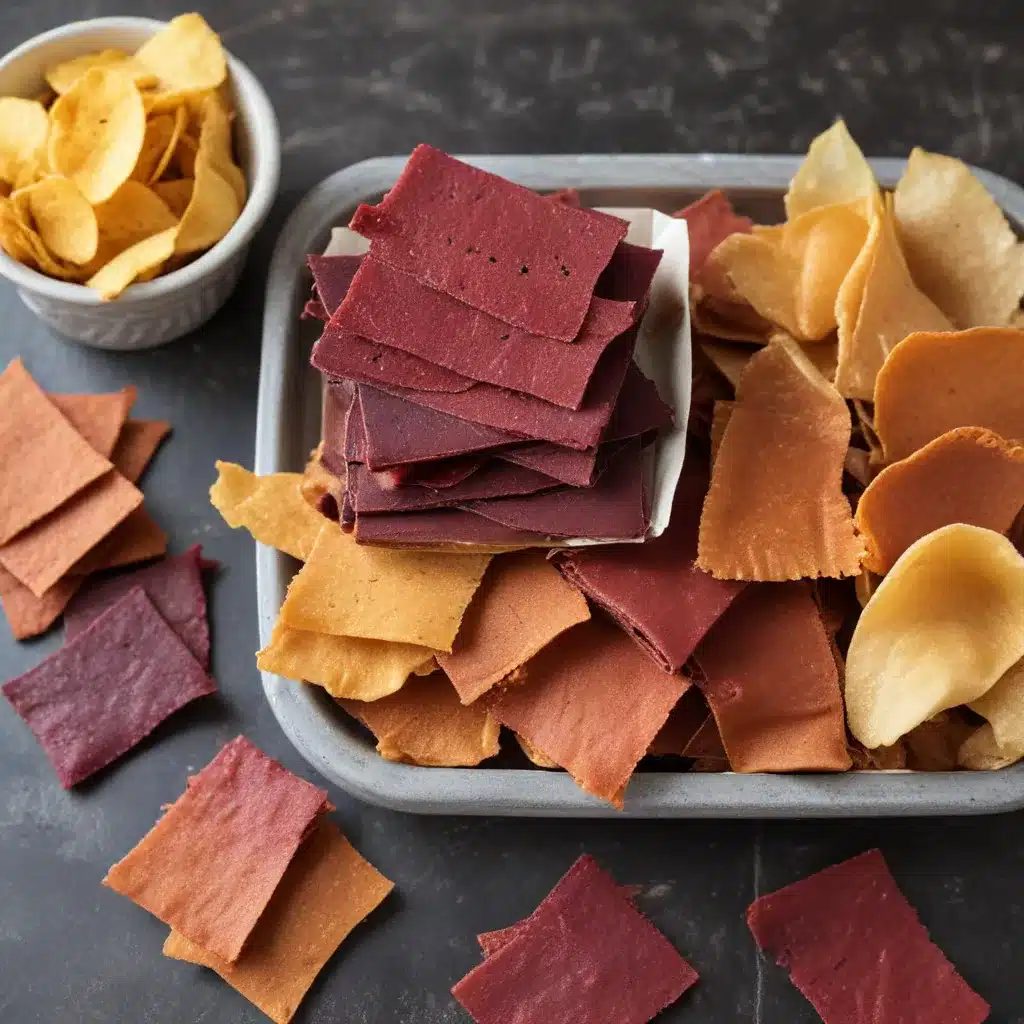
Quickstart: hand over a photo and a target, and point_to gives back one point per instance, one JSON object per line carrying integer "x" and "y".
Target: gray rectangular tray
{"x": 288, "y": 428}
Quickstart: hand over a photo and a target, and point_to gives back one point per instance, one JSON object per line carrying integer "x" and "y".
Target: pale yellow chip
{"x": 345, "y": 666}
{"x": 185, "y": 54}
{"x": 940, "y": 630}
{"x": 170, "y": 101}
{"x": 24, "y": 127}
{"x": 877, "y": 307}
{"x": 62, "y": 76}
{"x": 21, "y": 241}
{"x": 963, "y": 253}
{"x": 97, "y": 129}
{"x": 834, "y": 171}
{"x": 162, "y": 134}
{"x": 176, "y": 193}
{"x": 351, "y": 589}
{"x": 62, "y": 217}
{"x": 270, "y": 507}
{"x": 185, "y": 155}
{"x": 215, "y": 138}
{"x": 1001, "y": 742}
{"x": 131, "y": 264}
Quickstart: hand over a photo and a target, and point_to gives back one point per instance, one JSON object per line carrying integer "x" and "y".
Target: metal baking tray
{"x": 288, "y": 427}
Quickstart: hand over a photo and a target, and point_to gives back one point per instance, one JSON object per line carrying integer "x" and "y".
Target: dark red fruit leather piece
{"x": 492, "y": 244}
{"x": 438, "y": 475}
{"x": 566, "y": 196}
{"x": 585, "y": 956}
{"x": 654, "y": 590}
{"x": 332, "y": 277}
{"x": 639, "y": 409}
{"x": 576, "y": 468}
{"x": 855, "y": 948}
{"x": 107, "y": 688}
{"x": 175, "y": 587}
{"x": 438, "y": 526}
{"x": 710, "y": 220}
{"x": 629, "y": 274}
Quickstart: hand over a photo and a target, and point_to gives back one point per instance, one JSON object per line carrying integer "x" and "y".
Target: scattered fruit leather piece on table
{"x": 175, "y": 587}
{"x": 854, "y": 945}
{"x": 211, "y": 864}
{"x": 586, "y": 954}
{"x": 100, "y": 419}
{"x": 108, "y": 688}
{"x": 137, "y": 538}
{"x": 136, "y": 445}
{"x": 28, "y": 615}
{"x": 327, "y": 890}
{"x": 492, "y": 244}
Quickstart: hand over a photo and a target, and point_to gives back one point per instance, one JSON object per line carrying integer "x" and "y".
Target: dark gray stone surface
{"x": 367, "y": 77}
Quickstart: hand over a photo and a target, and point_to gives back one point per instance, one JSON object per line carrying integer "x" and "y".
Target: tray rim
{"x": 351, "y": 762}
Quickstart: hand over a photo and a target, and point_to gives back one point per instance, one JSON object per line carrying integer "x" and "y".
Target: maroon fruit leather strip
{"x": 710, "y": 220}
{"x": 107, "y": 688}
{"x": 332, "y": 277}
{"x": 438, "y": 526}
{"x": 567, "y": 196}
{"x": 639, "y": 409}
{"x": 393, "y": 309}
{"x": 492, "y": 244}
{"x": 175, "y": 587}
{"x": 654, "y": 590}
{"x": 629, "y": 274}
{"x": 585, "y": 955}
{"x": 438, "y": 475}
{"x": 855, "y": 948}
{"x": 576, "y": 468}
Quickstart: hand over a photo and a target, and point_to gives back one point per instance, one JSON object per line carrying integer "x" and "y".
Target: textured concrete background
{"x": 357, "y": 79}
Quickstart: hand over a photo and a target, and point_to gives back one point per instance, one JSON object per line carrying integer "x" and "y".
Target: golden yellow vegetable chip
{"x": 97, "y": 130}
{"x": 170, "y": 101}
{"x": 1000, "y": 743}
{"x": 963, "y": 253}
{"x": 61, "y": 77}
{"x": 127, "y": 266}
{"x": 63, "y": 218}
{"x": 24, "y": 127}
{"x": 22, "y": 242}
{"x": 215, "y": 138}
{"x": 162, "y": 133}
{"x": 176, "y": 193}
{"x": 345, "y": 666}
{"x": 350, "y": 589}
{"x": 939, "y": 631}
{"x": 834, "y": 171}
{"x": 270, "y": 507}
{"x": 186, "y": 54}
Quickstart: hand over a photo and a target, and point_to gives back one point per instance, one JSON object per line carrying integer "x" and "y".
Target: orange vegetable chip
{"x": 424, "y": 723}
{"x": 968, "y": 475}
{"x": 932, "y": 383}
{"x": 776, "y": 510}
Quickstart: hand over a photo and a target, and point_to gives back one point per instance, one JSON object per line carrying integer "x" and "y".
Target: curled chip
{"x": 877, "y": 307}
{"x": 63, "y": 218}
{"x": 176, "y": 194}
{"x": 270, "y": 507}
{"x": 214, "y": 205}
{"x": 932, "y": 383}
{"x": 776, "y": 510}
{"x": 962, "y": 252}
{"x": 1000, "y": 743}
{"x": 834, "y": 171}
{"x": 23, "y": 130}
{"x": 62, "y": 76}
{"x": 22, "y": 242}
{"x": 96, "y": 132}
{"x": 162, "y": 134}
{"x": 792, "y": 274}
{"x": 424, "y": 723}
{"x": 129, "y": 265}
{"x": 939, "y": 631}
{"x": 345, "y": 666}
{"x": 185, "y": 54}
{"x": 215, "y": 139}
{"x": 131, "y": 215}
{"x": 968, "y": 475}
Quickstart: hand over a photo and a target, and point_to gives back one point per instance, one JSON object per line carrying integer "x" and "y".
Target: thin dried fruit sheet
{"x": 710, "y": 220}
{"x": 585, "y": 954}
{"x": 854, "y": 945}
{"x": 492, "y": 244}
{"x": 521, "y": 606}
{"x": 108, "y": 688}
{"x": 136, "y": 445}
{"x": 137, "y": 538}
{"x": 593, "y": 702}
{"x": 100, "y": 419}
{"x": 776, "y": 509}
{"x": 210, "y": 865}
{"x": 28, "y": 615}
{"x": 326, "y": 892}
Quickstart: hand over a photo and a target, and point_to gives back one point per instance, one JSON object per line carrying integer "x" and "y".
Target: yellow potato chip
{"x": 62, "y": 76}
{"x": 534, "y": 755}
{"x": 22, "y": 242}
{"x": 96, "y": 132}
{"x": 349, "y": 589}
{"x": 170, "y": 101}
{"x": 215, "y": 137}
{"x": 963, "y": 253}
{"x": 939, "y": 631}
{"x": 63, "y": 218}
{"x": 176, "y": 193}
{"x": 932, "y": 383}
{"x": 864, "y": 586}
{"x": 162, "y": 133}
{"x": 212, "y": 210}
{"x": 1000, "y": 743}
{"x": 185, "y": 155}
{"x": 270, "y": 507}
{"x": 24, "y": 127}
{"x": 834, "y": 171}
{"x": 877, "y": 307}
{"x": 424, "y": 723}
{"x": 127, "y": 266}
{"x": 185, "y": 54}
{"x": 345, "y": 666}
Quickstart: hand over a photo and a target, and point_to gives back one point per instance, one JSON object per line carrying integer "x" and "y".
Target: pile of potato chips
{"x": 123, "y": 170}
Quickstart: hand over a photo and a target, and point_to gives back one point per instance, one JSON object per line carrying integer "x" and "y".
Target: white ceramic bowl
{"x": 149, "y": 314}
